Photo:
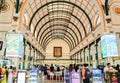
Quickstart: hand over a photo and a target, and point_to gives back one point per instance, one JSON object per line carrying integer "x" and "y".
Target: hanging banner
{"x": 109, "y": 45}
{"x": 14, "y": 45}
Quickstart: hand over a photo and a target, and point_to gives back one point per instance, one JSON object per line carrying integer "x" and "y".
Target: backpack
{"x": 87, "y": 73}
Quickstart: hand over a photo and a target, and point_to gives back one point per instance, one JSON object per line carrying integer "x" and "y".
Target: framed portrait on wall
{"x": 57, "y": 51}
{"x": 1, "y": 43}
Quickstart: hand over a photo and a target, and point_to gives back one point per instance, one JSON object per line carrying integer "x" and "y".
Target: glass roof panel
{"x": 63, "y": 10}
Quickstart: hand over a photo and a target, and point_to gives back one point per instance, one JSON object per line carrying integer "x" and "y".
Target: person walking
{"x": 66, "y": 75}
{"x": 86, "y": 74}
{"x": 14, "y": 74}
{"x": 118, "y": 67}
{"x": 1, "y": 76}
{"x": 10, "y": 77}
{"x": 4, "y": 75}
{"x": 51, "y": 72}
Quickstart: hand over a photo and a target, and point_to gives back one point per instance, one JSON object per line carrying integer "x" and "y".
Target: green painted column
{"x": 33, "y": 56}
{"x": 17, "y": 6}
{"x": 80, "y": 57}
{"x": 89, "y": 49}
{"x": 106, "y": 7}
{"x": 24, "y": 55}
{"x": 84, "y": 54}
{"x": 97, "y": 57}
{"x": 29, "y": 64}
{"x": 97, "y": 53}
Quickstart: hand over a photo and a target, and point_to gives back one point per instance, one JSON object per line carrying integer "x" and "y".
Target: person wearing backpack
{"x": 86, "y": 74}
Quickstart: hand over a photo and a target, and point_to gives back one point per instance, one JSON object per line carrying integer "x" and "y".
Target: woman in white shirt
{"x": 10, "y": 77}
{"x": 108, "y": 67}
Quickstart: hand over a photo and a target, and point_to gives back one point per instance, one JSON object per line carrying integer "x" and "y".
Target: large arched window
{"x": 97, "y": 21}
{"x": 25, "y": 20}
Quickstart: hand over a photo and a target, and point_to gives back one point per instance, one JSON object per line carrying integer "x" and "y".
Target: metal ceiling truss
{"x": 43, "y": 40}
{"x": 50, "y": 35}
{"x": 55, "y": 25}
{"x": 61, "y": 2}
{"x": 62, "y": 37}
{"x": 58, "y": 24}
{"x": 60, "y": 19}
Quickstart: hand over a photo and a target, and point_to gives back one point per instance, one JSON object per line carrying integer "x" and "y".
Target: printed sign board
{"x": 75, "y": 77}
{"x": 21, "y": 78}
{"x": 34, "y": 76}
{"x": 97, "y": 76}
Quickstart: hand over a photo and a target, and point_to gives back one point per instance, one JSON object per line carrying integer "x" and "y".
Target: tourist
{"x": 4, "y": 75}
{"x": 51, "y": 72}
{"x": 10, "y": 71}
{"x": 86, "y": 74}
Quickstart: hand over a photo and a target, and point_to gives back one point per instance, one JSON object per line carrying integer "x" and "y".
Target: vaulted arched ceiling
{"x": 70, "y": 20}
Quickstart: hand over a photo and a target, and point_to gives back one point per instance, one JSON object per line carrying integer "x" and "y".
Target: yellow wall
{"x": 57, "y": 43}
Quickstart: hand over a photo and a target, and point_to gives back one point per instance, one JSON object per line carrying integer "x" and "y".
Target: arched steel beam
{"x": 60, "y": 30}
{"x": 62, "y": 12}
{"x": 54, "y": 20}
{"x": 62, "y": 2}
{"x": 58, "y": 25}
{"x": 106, "y": 7}
{"x": 50, "y": 37}
{"x": 63, "y": 38}
{"x": 69, "y": 38}
{"x": 57, "y": 38}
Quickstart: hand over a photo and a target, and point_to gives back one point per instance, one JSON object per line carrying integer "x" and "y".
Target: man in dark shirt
{"x": 101, "y": 67}
{"x": 51, "y": 72}
{"x": 52, "y": 68}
